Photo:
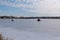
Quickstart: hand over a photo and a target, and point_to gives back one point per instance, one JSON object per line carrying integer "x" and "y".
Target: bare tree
{"x": 1, "y": 38}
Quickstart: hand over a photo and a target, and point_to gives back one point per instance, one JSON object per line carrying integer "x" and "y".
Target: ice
{"x": 31, "y": 30}
{"x": 23, "y": 35}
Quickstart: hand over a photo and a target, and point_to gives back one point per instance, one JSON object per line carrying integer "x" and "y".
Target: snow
{"x": 23, "y": 35}
{"x": 32, "y": 31}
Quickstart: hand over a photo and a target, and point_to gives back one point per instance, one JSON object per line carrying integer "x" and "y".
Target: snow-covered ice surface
{"x": 47, "y": 29}
{"x": 23, "y": 35}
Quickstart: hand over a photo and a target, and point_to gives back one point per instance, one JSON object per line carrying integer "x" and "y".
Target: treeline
{"x": 15, "y": 17}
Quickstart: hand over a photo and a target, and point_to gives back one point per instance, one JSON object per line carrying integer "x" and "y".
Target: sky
{"x": 30, "y": 7}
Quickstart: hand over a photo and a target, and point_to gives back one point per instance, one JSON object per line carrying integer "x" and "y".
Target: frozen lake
{"x": 31, "y": 29}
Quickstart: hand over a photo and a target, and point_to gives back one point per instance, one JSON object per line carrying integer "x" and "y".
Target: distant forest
{"x": 15, "y": 17}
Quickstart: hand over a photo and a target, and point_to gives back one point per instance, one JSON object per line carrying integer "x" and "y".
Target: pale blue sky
{"x": 30, "y": 7}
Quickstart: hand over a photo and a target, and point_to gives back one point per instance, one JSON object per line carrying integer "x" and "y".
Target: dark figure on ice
{"x": 38, "y": 19}
{"x": 12, "y": 20}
